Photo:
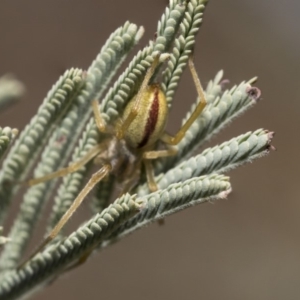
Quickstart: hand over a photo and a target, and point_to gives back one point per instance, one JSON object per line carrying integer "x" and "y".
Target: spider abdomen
{"x": 151, "y": 118}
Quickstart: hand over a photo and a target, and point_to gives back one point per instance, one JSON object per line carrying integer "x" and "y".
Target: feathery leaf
{"x": 175, "y": 197}
{"x": 216, "y": 115}
{"x": 31, "y": 140}
{"x": 183, "y": 47}
{"x": 219, "y": 159}
{"x": 56, "y": 258}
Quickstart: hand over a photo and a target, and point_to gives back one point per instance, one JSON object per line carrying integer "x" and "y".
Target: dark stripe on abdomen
{"x": 152, "y": 120}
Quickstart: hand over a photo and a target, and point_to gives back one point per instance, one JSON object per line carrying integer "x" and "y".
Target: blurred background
{"x": 246, "y": 247}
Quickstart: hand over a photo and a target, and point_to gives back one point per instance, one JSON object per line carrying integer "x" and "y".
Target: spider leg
{"x": 129, "y": 184}
{"x": 149, "y": 155}
{"x": 174, "y": 140}
{"x": 151, "y": 182}
{"x": 77, "y": 202}
{"x": 96, "y": 177}
{"x": 84, "y": 160}
{"x": 98, "y": 118}
{"x": 134, "y": 111}
{"x": 159, "y": 153}
{"x": 70, "y": 169}
{"x": 150, "y": 176}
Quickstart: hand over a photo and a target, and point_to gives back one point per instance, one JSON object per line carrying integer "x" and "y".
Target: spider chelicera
{"x": 129, "y": 142}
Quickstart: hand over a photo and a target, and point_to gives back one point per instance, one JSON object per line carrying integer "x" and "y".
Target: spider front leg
{"x": 98, "y": 119}
{"x": 174, "y": 140}
{"x": 97, "y": 177}
{"x": 70, "y": 169}
{"x": 84, "y": 160}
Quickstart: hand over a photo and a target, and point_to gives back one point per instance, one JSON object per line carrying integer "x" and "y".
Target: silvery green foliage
{"x": 48, "y": 264}
{"x": 123, "y": 216}
{"x": 221, "y": 109}
{"x": 63, "y": 128}
{"x": 11, "y": 90}
{"x": 32, "y": 139}
{"x": 173, "y": 198}
{"x": 218, "y": 159}
{"x": 35, "y": 196}
{"x": 63, "y": 137}
{"x": 182, "y": 48}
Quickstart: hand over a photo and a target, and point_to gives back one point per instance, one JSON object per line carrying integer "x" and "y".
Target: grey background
{"x": 244, "y": 248}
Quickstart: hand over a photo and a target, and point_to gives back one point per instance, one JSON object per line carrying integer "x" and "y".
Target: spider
{"x": 129, "y": 142}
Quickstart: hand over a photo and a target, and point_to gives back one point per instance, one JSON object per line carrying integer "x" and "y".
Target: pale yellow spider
{"x": 129, "y": 142}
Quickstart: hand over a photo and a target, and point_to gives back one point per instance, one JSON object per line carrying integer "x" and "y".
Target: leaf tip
{"x": 224, "y": 194}
{"x": 270, "y": 135}
{"x": 254, "y": 93}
